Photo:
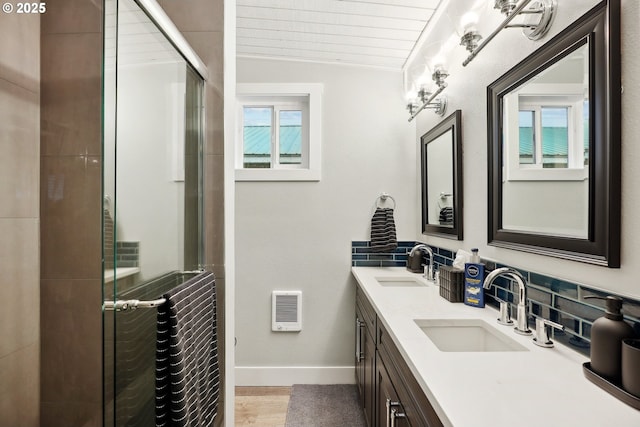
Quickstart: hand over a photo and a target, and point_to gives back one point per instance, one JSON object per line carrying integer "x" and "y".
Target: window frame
{"x": 537, "y": 96}
{"x": 573, "y": 135}
{"x": 280, "y": 95}
{"x": 276, "y": 107}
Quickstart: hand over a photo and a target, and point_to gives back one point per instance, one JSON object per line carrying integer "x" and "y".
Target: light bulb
{"x": 423, "y": 78}
{"x": 437, "y": 63}
{"x": 468, "y": 22}
{"x": 410, "y": 97}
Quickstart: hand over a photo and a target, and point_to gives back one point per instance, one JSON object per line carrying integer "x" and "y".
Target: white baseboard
{"x": 266, "y": 376}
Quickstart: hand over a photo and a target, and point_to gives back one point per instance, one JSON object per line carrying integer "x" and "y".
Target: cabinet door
{"x": 390, "y": 412}
{"x": 365, "y": 362}
{"x": 369, "y": 377}
{"x": 417, "y": 409}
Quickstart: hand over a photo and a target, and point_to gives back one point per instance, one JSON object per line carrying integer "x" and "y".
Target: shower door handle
{"x": 132, "y": 304}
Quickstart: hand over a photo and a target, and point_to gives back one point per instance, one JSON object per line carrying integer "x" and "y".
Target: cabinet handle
{"x": 394, "y": 415}
{"x": 359, "y": 326}
{"x": 389, "y": 405}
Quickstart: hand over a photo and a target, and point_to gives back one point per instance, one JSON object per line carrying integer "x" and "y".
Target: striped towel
{"x": 446, "y": 216}
{"x": 187, "y": 373}
{"x": 383, "y": 230}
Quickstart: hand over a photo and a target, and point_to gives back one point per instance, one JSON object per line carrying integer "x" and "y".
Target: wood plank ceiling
{"x": 138, "y": 40}
{"x": 376, "y": 33}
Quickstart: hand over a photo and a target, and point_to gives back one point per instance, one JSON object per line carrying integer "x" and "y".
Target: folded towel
{"x": 187, "y": 373}
{"x": 446, "y": 216}
{"x": 383, "y": 230}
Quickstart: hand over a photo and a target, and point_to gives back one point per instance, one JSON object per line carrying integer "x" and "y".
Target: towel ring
{"x": 383, "y": 197}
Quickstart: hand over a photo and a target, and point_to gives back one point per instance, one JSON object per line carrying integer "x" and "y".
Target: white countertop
{"x": 120, "y": 273}
{"x": 538, "y": 387}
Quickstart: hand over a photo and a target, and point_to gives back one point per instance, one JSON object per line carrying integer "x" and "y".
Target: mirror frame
{"x": 602, "y": 246}
{"x": 454, "y": 123}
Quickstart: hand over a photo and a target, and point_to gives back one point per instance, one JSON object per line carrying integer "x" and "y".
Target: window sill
{"x": 277, "y": 175}
{"x": 568, "y": 174}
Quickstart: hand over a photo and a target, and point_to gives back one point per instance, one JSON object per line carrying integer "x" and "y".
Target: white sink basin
{"x": 400, "y": 281}
{"x": 468, "y": 335}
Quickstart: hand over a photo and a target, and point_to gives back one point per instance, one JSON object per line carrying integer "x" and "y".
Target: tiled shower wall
{"x": 19, "y": 220}
{"x": 549, "y": 297}
{"x": 71, "y": 35}
{"x": 71, "y": 212}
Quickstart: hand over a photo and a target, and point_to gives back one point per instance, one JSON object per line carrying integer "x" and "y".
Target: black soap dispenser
{"x": 607, "y": 334}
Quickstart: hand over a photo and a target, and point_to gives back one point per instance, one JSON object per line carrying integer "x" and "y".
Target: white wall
{"x": 297, "y": 235}
{"x": 467, "y": 91}
{"x": 557, "y": 207}
{"x": 150, "y": 203}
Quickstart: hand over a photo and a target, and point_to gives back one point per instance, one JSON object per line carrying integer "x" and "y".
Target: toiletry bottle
{"x": 607, "y": 334}
{"x": 473, "y": 281}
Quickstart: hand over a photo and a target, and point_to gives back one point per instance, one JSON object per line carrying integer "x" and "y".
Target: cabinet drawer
{"x": 416, "y": 405}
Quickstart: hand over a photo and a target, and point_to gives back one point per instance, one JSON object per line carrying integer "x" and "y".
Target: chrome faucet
{"x": 522, "y": 326}
{"x": 429, "y": 273}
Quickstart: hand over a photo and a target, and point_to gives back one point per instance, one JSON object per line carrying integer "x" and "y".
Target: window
{"x": 290, "y": 137}
{"x": 526, "y": 120}
{"x": 552, "y": 137}
{"x": 585, "y": 130}
{"x": 272, "y": 135}
{"x": 278, "y": 132}
{"x": 544, "y": 137}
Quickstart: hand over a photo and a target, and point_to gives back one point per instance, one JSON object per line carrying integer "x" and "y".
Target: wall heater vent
{"x": 286, "y": 311}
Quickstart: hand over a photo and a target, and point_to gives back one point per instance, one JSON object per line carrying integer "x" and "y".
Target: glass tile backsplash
{"x": 362, "y": 255}
{"x": 549, "y": 297}
{"x": 127, "y": 254}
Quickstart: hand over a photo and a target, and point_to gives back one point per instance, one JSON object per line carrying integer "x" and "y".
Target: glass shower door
{"x": 152, "y": 188}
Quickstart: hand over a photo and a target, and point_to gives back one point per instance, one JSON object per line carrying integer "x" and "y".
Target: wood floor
{"x": 261, "y": 406}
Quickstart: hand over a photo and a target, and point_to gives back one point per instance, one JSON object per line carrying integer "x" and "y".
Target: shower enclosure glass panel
{"x": 152, "y": 188}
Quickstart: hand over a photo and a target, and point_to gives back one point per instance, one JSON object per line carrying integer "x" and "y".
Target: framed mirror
{"x": 554, "y": 145}
{"x": 442, "y": 178}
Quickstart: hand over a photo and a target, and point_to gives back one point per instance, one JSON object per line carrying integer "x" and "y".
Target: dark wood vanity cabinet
{"x": 390, "y": 394}
{"x": 388, "y": 404}
{"x": 412, "y": 406}
{"x": 366, "y": 356}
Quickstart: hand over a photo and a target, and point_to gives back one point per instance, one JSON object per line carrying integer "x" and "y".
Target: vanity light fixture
{"x": 439, "y": 75}
{"x": 429, "y": 99}
{"x": 470, "y": 36}
{"x": 505, "y": 6}
{"x": 413, "y": 107}
{"x": 438, "y": 105}
{"x": 537, "y": 22}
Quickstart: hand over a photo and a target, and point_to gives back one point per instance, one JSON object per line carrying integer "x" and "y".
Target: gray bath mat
{"x": 335, "y": 405}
